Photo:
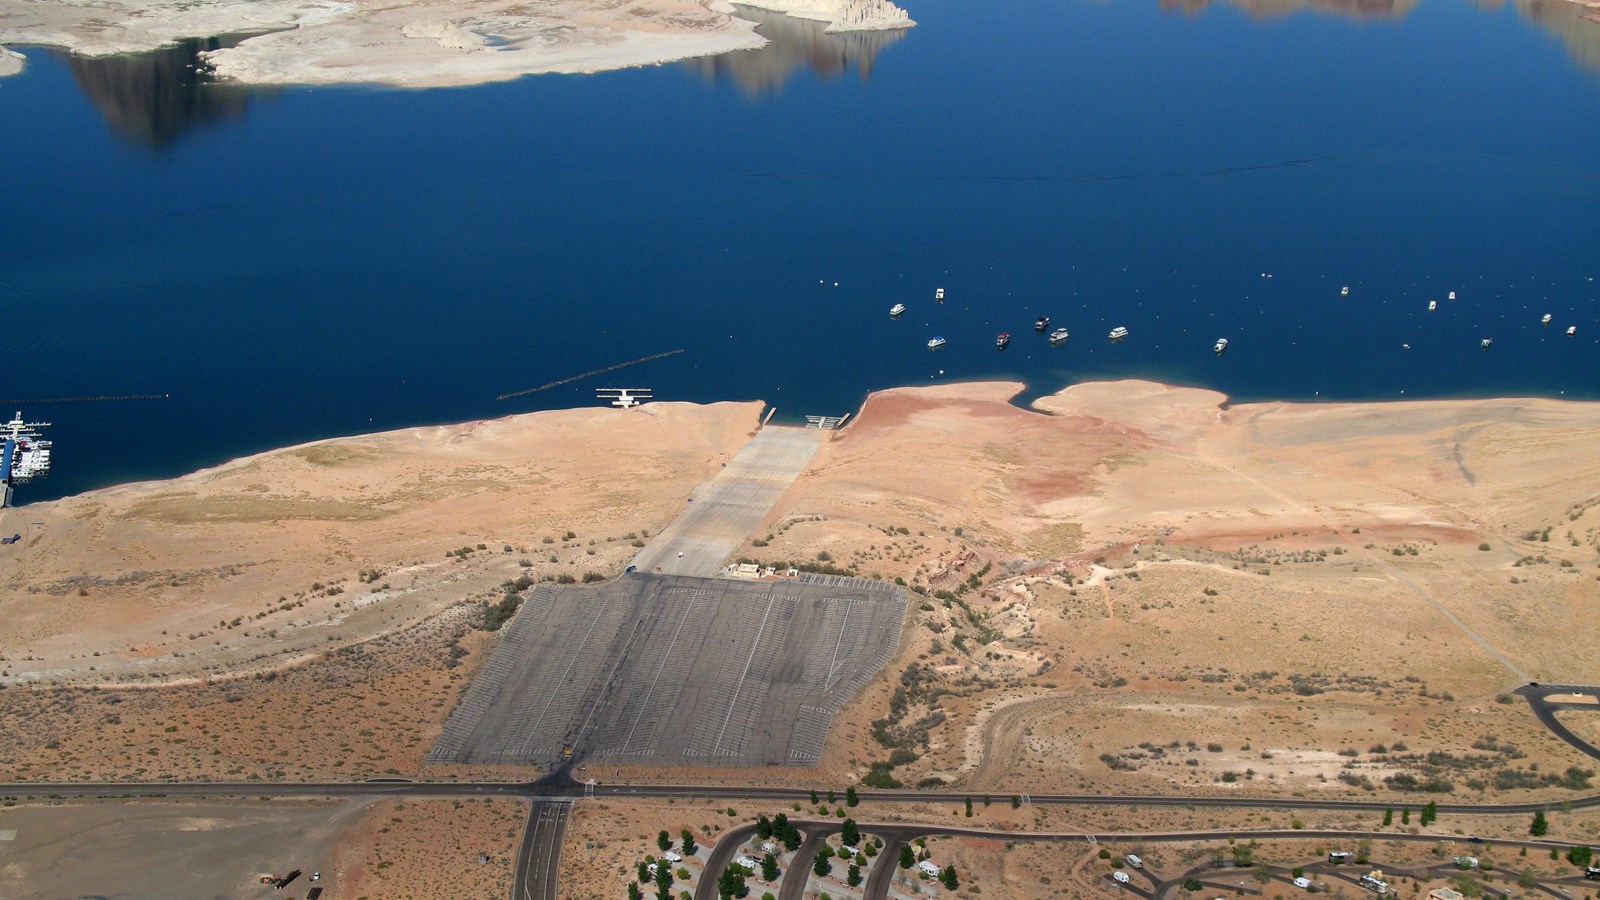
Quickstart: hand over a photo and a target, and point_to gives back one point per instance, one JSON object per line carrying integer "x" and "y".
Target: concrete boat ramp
{"x": 726, "y": 509}
{"x": 670, "y": 666}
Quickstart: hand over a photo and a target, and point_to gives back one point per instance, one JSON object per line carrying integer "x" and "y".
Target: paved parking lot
{"x": 674, "y": 670}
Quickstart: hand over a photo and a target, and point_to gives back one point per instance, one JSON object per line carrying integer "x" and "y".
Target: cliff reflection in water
{"x": 1264, "y": 9}
{"x": 154, "y": 98}
{"x": 794, "y": 44}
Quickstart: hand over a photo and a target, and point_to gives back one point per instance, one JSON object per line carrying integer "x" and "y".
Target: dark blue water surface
{"x": 297, "y": 264}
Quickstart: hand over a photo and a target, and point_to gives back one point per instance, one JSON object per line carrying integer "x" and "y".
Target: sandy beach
{"x": 11, "y": 62}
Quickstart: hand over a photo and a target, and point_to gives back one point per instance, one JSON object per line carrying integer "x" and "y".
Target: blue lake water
{"x": 295, "y": 264}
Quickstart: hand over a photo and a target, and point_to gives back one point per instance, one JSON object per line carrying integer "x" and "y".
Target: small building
{"x": 929, "y": 868}
{"x": 1445, "y": 893}
{"x": 1120, "y": 877}
{"x": 769, "y": 847}
{"x": 1302, "y": 882}
{"x": 749, "y": 863}
{"x": 671, "y": 857}
{"x": 1374, "y": 882}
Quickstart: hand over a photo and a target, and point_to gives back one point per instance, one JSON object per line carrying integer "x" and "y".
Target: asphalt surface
{"x": 675, "y": 671}
{"x": 724, "y": 510}
{"x": 539, "y": 856}
{"x": 1538, "y": 697}
{"x": 783, "y": 796}
{"x": 721, "y": 854}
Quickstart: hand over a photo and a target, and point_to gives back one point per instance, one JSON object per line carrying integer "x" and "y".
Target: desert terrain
{"x": 1129, "y": 588}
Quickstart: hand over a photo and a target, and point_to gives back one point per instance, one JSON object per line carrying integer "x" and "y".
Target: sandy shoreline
{"x": 11, "y": 62}
{"x": 443, "y": 43}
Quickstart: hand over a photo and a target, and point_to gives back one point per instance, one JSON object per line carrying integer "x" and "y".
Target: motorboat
{"x": 1118, "y": 333}
{"x": 1344, "y": 291}
{"x": 1059, "y": 335}
{"x": 1002, "y": 340}
{"x": 897, "y": 309}
{"x": 1451, "y": 297}
{"x": 1222, "y": 345}
{"x": 938, "y": 294}
{"x": 1572, "y": 331}
{"x": 936, "y": 343}
{"x": 1041, "y": 323}
{"x": 1486, "y": 343}
{"x": 1433, "y": 305}
{"x": 1545, "y": 320}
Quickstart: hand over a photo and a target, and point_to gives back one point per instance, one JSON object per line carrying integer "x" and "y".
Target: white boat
{"x": 1545, "y": 320}
{"x": 1433, "y": 305}
{"x": 1344, "y": 291}
{"x": 936, "y": 343}
{"x": 1486, "y": 343}
{"x": 1452, "y": 297}
{"x": 1222, "y": 345}
{"x": 1118, "y": 333}
{"x": 897, "y": 309}
{"x": 1059, "y": 335}
{"x": 938, "y": 294}
{"x": 1572, "y": 330}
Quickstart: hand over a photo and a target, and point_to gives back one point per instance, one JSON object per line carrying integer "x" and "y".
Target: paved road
{"x": 539, "y": 857}
{"x": 724, "y": 510}
{"x": 779, "y": 796}
{"x": 884, "y": 867}
{"x": 720, "y": 856}
{"x": 1538, "y": 697}
{"x": 799, "y": 874}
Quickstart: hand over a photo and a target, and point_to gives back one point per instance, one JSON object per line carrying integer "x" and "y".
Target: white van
{"x": 1134, "y": 861}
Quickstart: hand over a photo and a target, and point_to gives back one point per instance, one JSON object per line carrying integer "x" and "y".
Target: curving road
{"x": 1544, "y": 709}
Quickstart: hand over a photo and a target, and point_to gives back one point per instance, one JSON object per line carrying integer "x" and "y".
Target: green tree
{"x": 850, "y": 834}
{"x": 948, "y": 878}
{"x": 813, "y": 796}
{"x": 1527, "y": 878}
{"x": 1388, "y": 817}
{"x": 688, "y": 842}
{"x": 1016, "y": 802}
{"x": 633, "y": 891}
{"x": 1299, "y": 872}
{"x": 1405, "y": 816}
{"x": 969, "y": 807}
{"x": 850, "y": 798}
{"x": 763, "y": 828}
{"x": 1193, "y": 884}
{"x": 908, "y": 857}
{"x": 822, "y": 866}
{"x": 852, "y": 875}
{"x": 731, "y": 884}
{"x": 1540, "y": 827}
{"x": 831, "y": 797}
{"x": 663, "y": 879}
{"x": 1430, "y": 812}
{"x": 1581, "y": 856}
{"x": 769, "y": 868}
{"x": 643, "y": 873}
{"x": 664, "y": 841}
